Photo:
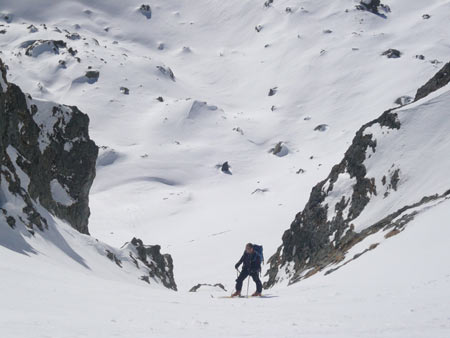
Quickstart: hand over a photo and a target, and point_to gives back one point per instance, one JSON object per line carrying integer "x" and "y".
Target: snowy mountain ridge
{"x": 383, "y": 182}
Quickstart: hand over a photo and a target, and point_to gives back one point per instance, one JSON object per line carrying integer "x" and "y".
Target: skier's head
{"x": 249, "y": 248}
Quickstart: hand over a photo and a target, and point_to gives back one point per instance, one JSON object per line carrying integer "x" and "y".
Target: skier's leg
{"x": 257, "y": 281}
{"x": 240, "y": 279}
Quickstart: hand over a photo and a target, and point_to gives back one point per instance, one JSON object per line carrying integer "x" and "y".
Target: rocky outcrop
{"x": 47, "y": 159}
{"x": 37, "y": 47}
{"x": 322, "y": 234}
{"x": 47, "y": 165}
{"x": 441, "y": 79}
{"x": 159, "y": 266}
{"x": 307, "y": 243}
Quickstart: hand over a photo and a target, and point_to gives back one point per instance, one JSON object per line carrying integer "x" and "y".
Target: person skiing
{"x": 251, "y": 267}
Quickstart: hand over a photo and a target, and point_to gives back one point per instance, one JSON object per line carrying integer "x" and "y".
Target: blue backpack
{"x": 259, "y": 251}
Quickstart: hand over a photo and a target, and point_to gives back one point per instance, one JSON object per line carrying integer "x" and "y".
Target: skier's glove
{"x": 236, "y": 266}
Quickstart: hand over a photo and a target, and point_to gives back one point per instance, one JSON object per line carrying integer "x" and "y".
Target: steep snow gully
{"x": 131, "y": 129}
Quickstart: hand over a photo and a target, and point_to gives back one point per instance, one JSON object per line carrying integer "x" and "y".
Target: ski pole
{"x": 248, "y": 283}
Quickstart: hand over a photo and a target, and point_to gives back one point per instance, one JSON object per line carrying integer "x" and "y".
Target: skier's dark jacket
{"x": 252, "y": 262}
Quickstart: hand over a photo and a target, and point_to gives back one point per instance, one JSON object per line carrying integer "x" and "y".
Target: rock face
{"x": 322, "y": 234}
{"x": 160, "y": 266}
{"x": 47, "y": 166}
{"x": 441, "y": 79}
{"x": 47, "y": 159}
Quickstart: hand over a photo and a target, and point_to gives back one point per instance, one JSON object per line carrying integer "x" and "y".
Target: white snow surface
{"x": 157, "y": 175}
{"x": 60, "y": 194}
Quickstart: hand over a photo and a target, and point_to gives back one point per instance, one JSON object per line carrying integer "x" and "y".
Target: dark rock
{"x": 146, "y": 11}
{"x": 441, "y": 79}
{"x": 37, "y": 47}
{"x": 167, "y": 71}
{"x": 258, "y": 28}
{"x": 279, "y": 150}
{"x": 403, "y": 100}
{"x": 52, "y": 147}
{"x": 198, "y": 286}
{"x": 426, "y": 16}
{"x": 273, "y": 91}
{"x": 62, "y": 63}
{"x": 373, "y": 6}
{"x": 392, "y": 53}
{"x": 113, "y": 258}
{"x": 160, "y": 265}
{"x": 72, "y": 51}
{"x": 321, "y": 127}
{"x": 225, "y": 167}
{"x": 420, "y": 57}
{"x": 307, "y": 245}
{"x": 259, "y": 191}
{"x": 267, "y": 3}
{"x": 32, "y": 29}
{"x": 124, "y": 90}
{"x": 73, "y": 36}
{"x": 92, "y": 74}
{"x": 160, "y": 99}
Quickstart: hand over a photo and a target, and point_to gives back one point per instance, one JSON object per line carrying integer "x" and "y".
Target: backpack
{"x": 259, "y": 251}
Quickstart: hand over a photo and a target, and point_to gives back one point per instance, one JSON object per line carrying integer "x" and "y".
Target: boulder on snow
{"x": 92, "y": 75}
{"x": 280, "y": 149}
{"x": 146, "y": 11}
{"x": 32, "y": 29}
{"x": 322, "y": 127}
{"x": 225, "y": 168}
{"x": 37, "y": 47}
{"x": 167, "y": 72}
{"x": 373, "y": 6}
{"x": 392, "y": 53}
{"x": 273, "y": 91}
{"x": 124, "y": 90}
{"x": 73, "y": 36}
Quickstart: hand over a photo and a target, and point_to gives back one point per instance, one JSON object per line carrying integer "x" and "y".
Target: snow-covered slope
{"x": 158, "y": 174}
{"x": 173, "y": 95}
{"x": 400, "y": 290}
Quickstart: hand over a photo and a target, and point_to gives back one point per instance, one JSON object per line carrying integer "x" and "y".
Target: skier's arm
{"x": 240, "y": 262}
